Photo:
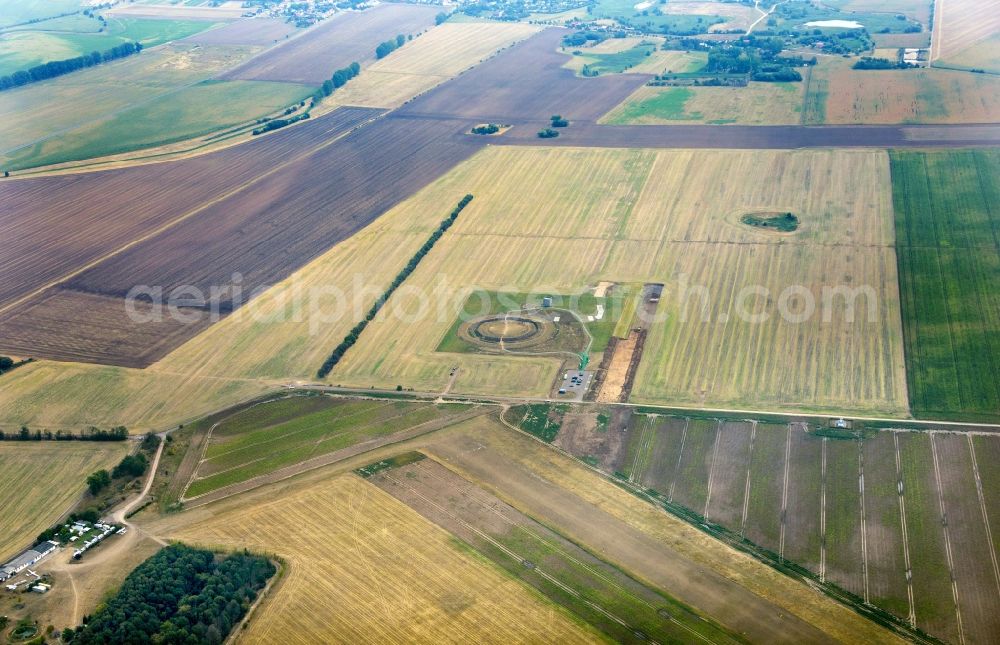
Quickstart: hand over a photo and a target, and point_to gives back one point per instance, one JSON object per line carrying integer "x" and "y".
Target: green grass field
{"x": 625, "y": 12}
{"x": 620, "y": 61}
{"x": 280, "y": 433}
{"x": 71, "y": 36}
{"x": 206, "y": 107}
{"x": 948, "y": 252}
{"x": 480, "y": 303}
{"x": 14, "y": 12}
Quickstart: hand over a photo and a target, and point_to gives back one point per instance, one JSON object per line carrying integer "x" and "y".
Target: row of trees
{"x": 352, "y": 336}
{"x": 338, "y": 80}
{"x": 119, "y": 433}
{"x": 179, "y": 595}
{"x": 59, "y": 67}
{"x": 389, "y": 46}
{"x": 880, "y": 63}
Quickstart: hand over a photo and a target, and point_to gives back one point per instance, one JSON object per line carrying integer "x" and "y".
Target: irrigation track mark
{"x": 634, "y": 476}
{"x": 517, "y": 558}
{"x": 680, "y": 455}
{"x": 982, "y": 507}
{"x": 864, "y": 528}
{"x": 784, "y": 492}
{"x": 711, "y": 469}
{"x": 906, "y": 538}
{"x": 822, "y": 514}
{"x": 746, "y": 491}
{"x": 947, "y": 540}
{"x": 360, "y": 549}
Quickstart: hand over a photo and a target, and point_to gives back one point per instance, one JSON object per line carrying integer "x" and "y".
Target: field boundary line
{"x": 746, "y": 490}
{"x": 185, "y": 216}
{"x": 986, "y": 518}
{"x": 947, "y": 540}
{"x": 900, "y": 487}
{"x": 864, "y": 525}
{"x": 784, "y": 491}
{"x": 711, "y": 469}
{"x": 677, "y": 466}
{"x": 822, "y": 513}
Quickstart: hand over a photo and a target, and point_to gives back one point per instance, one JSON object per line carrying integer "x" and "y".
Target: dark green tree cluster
{"x": 338, "y": 80}
{"x": 558, "y": 121}
{"x": 55, "y": 68}
{"x": 389, "y": 46}
{"x": 440, "y": 18}
{"x": 352, "y": 336}
{"x": 180, "y": 595}
{"x": 757, "y": 57}
{"x": 880, "y": 63}
{"x": 131, "y": 466}
{"x": 119, "y": 433}
{"x": 274, "y": 124}
{"x": 548, "y": 133}
{"x": 98, "y": 481}
{"x": 489, "y": 128}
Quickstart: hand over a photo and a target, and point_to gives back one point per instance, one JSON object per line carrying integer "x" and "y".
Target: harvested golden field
{"x": 544, "y": 220}
{"x": 983, "y": 55}
{"x": 964, "y": 25}
{"x": 671, "y": 217}
{"x": 755, "y": 104}
{"x": 655, "y": 547}
{"x": 553, "y": 231}
{"x": 39, "y": 481}
{"x": 430, "y": 59}
{"x": 902, "y": 96}
{"x": 365, "y": 568}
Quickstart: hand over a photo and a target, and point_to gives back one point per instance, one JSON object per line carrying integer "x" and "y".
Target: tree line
{"x": 389, "y": 46}
{"x": 55, "y": 68}
{"x": 118, "y": 433}
{"x": 352, "y": 336}
{"x": 338, "y": 80}
{"x": 179, "y": 595}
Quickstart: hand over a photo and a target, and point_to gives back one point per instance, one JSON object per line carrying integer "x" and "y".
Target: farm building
{"x": 26, "y": 559}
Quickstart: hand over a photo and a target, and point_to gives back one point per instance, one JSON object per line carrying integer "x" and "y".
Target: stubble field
{"x": 655, "y": 226}
{"x": 39, "y": 481}
{"x": 363, "y": 567}
{"x": 838, "y": 94}
{"x": 966, "y": 31}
